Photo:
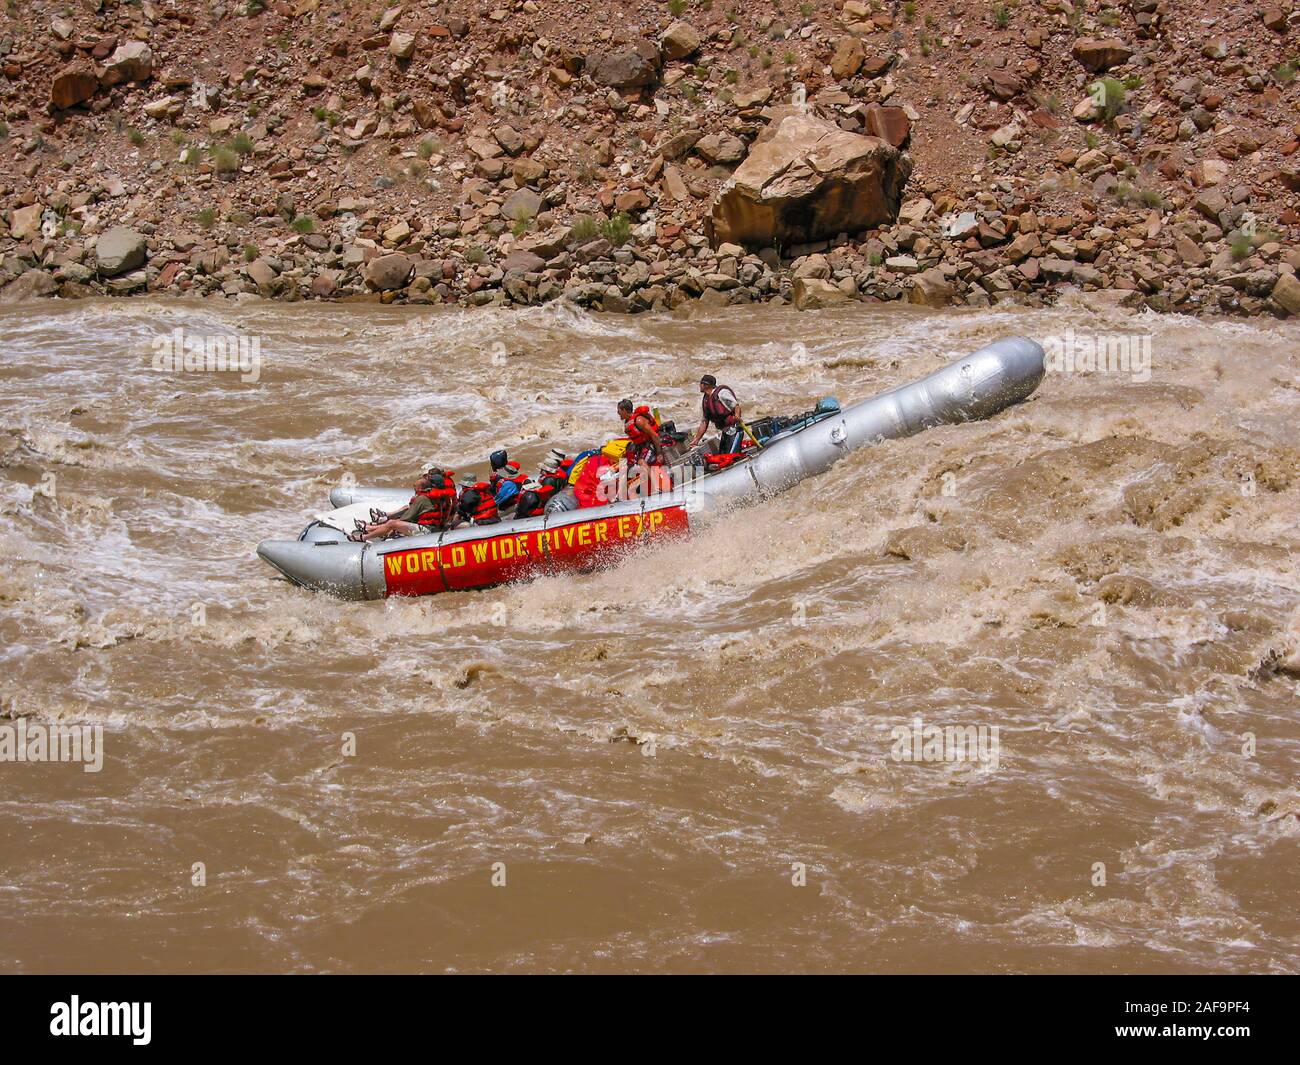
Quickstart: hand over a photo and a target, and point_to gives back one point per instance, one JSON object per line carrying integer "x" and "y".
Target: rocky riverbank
{"x": 636, "y": 156}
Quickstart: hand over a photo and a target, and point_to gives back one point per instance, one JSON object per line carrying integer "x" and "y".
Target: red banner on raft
{"x": 513, "y": 556}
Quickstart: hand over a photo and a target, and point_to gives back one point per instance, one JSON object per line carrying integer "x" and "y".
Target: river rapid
{"x": 689, "y": 762}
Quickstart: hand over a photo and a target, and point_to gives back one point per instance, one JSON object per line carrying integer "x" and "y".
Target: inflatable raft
{"x": 977, "y": 386}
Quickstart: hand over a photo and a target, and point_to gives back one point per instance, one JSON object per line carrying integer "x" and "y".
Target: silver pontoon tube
{"x": 977, "y": 386}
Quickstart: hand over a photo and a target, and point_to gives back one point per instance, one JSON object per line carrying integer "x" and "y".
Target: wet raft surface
{"x": 1107, "y": 574}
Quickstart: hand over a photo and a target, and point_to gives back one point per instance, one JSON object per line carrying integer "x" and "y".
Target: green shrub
{"x": 135, "y": 137}
{"x": 241, "y": 143}
{"x": 617, "y": 229}
{"x": 585, "y": 229}
{"x": 1108, "y": 94}
{"x": 224, "y": 161}
{"x": 303, "y": 224}
{"x": 476, "y": 255}
{"x": 250, "y": 252}
{"x": 207, "y": 218}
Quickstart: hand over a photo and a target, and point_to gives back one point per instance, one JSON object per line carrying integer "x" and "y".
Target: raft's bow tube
{"x": 976, "y": 386}
{"x": 968, "y": 389}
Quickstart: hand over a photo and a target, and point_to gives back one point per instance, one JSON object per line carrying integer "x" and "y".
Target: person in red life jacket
{"x": 720, "y": 409}
{"x": 430, "y": 509}
{"x": 550, "y": 480}
{"x": 642, "y": 431}
{"x": 530, "y": 502}
{"x": 645, "y": 452}
{"x": 477, "y": 504}
{"x": 505, "y": 480}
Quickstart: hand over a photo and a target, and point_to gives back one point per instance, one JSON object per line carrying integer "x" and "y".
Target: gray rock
{"x": 721, "y": 148}
{"x": 132, "y": 61}
{"x": 635, "y": 66}
{"x": 388, "y": 272}
{"x": 521, "y": 204}
{"x": 523, "y": 262}
{"x": 29, "y": 285}
{"x": 118, "y": 250}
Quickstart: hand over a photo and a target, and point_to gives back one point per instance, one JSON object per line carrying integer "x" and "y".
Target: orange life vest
{"x": 634, "y": 432}
{"x": 444, "y": 499}
{"x": 485, "y": 511}
{"x": 530, "y": 504}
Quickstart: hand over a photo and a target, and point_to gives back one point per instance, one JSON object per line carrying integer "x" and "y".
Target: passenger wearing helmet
{"x": 505, "y": 480}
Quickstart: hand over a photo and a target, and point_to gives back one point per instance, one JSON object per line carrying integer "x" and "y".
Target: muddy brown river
{"x": 690, "y": 762}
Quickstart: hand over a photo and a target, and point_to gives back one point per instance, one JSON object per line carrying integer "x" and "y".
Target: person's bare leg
{"x": 387, "y": 528}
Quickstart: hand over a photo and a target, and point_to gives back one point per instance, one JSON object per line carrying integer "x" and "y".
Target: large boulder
{"x": 1286, "y": 293}
{"x": 1098, "y": 54}
{"x": 720, "y": 148}
{"x": 523, "y": 261}
{"x": 402, "y": 45}
{"x": 74, "y": 84}
{"x": 930, "y": 288}
{"x": 118, "y": 250}
{"x": 132, "y": 61}
{"x": 680, "y": 40}
{"x": 634, "y": 66}
{"x": 807, "y": 181}
{"x": 521, "y": 205}
{"x": 814, "y": 293}
{"x": 25, "y": 222}
{"x": 889, "y": 124}
{"x": 388, "y": 272}
{"x": 848, "y": 58}
{"x": 29, "y": 285}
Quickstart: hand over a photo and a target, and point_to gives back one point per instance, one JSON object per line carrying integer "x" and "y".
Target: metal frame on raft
{"x": 977, "y": 386}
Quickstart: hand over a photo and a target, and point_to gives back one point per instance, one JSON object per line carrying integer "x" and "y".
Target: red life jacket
{"x": 633, "y": 431}
{"x": 715, "y": 411}
{"x": 485, "y": 512}
{"x": 586, "y": 487}
{"x": 443, "y": 500}
{"x": 713, "y": 463}
{"x": 553, "y": 482}
{"x": 530, "y": 504}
